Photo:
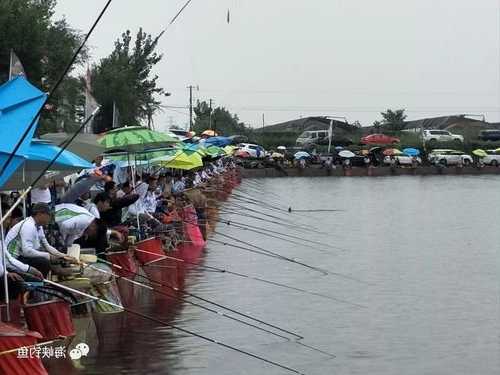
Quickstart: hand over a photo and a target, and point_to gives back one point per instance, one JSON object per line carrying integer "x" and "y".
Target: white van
{"x": 312, "y": 137}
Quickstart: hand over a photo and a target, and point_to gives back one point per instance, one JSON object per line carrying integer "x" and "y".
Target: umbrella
{"x": 347, "y": 154}
{"x": 277, "y": 155}
{"x": 209, "y": 133}
{"x": 480, "y": 153}
{"x": 229, "y": 150}
{"x": 282, "y": 148}
{"x": 242, "y": 154}
{"x": 37, "y": 158}
{"x": 392, "y": 152}
{"x": 19, "y": 104}
{"x": 214, "y": 151}
{"x": 339, "y": 148}
{"x": 364, "y": 152}
{"x": 218, "y": 141}
{"x": 179, "y": 160}
{"x": 411, "y": 151}
{"x": 84, "y": 145}
{"x": 375, "y": 149}
{"x": 135, "y": 139}
{"x": 301, "y": 155}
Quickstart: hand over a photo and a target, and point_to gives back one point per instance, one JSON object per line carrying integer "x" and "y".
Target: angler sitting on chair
{"x": 26, "y": 241}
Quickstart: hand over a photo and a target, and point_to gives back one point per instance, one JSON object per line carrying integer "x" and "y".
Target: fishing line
{"x": 186, "y": 331}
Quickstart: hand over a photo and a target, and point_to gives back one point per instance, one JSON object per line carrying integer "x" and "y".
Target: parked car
{"x": 489, "y": 135}
{"x": 320, "y": 137}
{"x": 402, "y": 160}
{"x": 449, "y": 157}
{"x": 379, "y": 139}
{"x": 255, "y": 151}
{"x": 441, "y": 136}
{"x": 493, "y": 158}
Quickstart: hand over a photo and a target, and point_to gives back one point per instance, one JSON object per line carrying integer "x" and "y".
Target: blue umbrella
{"x": 301, "y": 155}
{"x": 411, "y": 151}
{"x": 46, "y": 152}
{"x": 19, "y": 104}
{"x": 218, "y": 141}
{"x": 37, "y": 158}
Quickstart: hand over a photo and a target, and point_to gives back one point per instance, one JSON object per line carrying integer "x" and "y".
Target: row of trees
{"x": 46, "y": 45}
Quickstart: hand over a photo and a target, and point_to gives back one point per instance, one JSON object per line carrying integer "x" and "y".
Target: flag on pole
{"x": 16, "y": 67}
{"x": 90, "y": 103}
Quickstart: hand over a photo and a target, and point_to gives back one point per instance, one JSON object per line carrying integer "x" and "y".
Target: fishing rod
{"x": 211, "y": 310}
{"x": 265, "y": 252}
{"x": 208, "y": 301}
{"x": 265, "y": 233}
{"x": 229, "y": 272}
{"x": 220, "y": 313}
{"x": 173, "y": 19}
{"x": 227, "y": 211}
{"x": 230, "y": 222}
{"x": 56, "y": 86}
{"x": 170, "y": 325}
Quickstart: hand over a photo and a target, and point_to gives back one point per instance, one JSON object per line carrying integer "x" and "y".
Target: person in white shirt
{"x": 150, "y": 200}
{"x": 74, "y": 222}
{"x": 26, "y": 241}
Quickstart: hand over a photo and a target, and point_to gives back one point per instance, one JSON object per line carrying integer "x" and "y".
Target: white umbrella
{"x": 347, "y": 154}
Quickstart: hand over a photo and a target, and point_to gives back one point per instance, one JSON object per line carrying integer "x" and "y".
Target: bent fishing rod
{"x": 173, "y": 326}
{"x": 150, "y": 288}
{"x": 56, "y": 86}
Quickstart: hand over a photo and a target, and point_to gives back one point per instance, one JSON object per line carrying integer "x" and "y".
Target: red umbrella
{"x": 242, "y": 154}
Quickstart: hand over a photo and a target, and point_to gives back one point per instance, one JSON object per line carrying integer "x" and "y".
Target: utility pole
{"x": 210, "y": 117}
{"x": 263, "y": 125}
{"x": 191, "y": 87}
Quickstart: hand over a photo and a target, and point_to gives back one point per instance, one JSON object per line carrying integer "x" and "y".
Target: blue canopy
{"x": 411, "y": 151}
{"x": 19, "y": 104}
{"x": 46, "y": 152}
{"x": 218, "y": 141}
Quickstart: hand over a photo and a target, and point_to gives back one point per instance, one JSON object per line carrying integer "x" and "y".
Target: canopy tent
{"x": 84, "y": 145}
{"x": 20, "y": 102}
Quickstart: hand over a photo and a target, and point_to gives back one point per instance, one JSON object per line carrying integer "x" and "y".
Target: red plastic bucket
{"x": 149, "y": 250}
{"x": 19, "y": 362}
{"x": 125, "y": 261}
{"x": 15, "y": 312}
{"x": 52, "y": 319}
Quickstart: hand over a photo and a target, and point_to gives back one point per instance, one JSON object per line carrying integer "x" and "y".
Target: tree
{"x": 125, "y": 78}
{"x": 394, "y": 120}
{"x": 45, "y": 47}
{"x": 222, "y": 120}
{"x": 377, "y": 125}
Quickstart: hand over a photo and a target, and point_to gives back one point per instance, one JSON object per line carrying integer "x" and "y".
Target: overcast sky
{"x": 293, "y": 58}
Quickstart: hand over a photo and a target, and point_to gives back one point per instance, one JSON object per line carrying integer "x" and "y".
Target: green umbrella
{"x": 214, "y": 151}
{"x": 480, "y": 153}
{"x": 135, "y": 139}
